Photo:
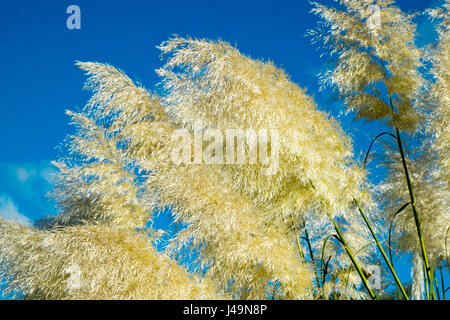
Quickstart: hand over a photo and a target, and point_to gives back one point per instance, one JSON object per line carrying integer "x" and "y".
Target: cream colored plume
{"x": 92, "y": 262}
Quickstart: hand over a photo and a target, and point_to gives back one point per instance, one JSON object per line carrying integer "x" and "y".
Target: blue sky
{"x": 39, "y": 80}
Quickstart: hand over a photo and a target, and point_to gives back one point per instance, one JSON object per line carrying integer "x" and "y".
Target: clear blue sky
{"x": 39, "y": 80}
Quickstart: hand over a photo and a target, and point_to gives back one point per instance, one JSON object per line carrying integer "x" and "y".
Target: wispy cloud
{"x": 28, "y": 184}
{"x": 27, "y": 172}
{"x": 8, "y": 210}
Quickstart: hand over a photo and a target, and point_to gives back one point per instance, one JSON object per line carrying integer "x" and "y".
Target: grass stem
{"x": 391, "y": 268}
{"x": 352, "y": 258}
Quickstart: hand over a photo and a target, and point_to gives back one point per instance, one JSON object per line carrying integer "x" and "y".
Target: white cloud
{"x": 27, "y": 183}
{"x": 30, "y": 172}
{"x": 9, "y": 211}
{"x": 24, "y": 174}
{"x": 48, "y": 175}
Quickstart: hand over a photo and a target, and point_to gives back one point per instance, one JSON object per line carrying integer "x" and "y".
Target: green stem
{"x": 300, "y": 249}
{"x": 390, "y": 241}
{"x": 416, "y": 216}
{"x": 426, "y": 284}
{"x": 371, "y": 144}
{"x": 323, "y": 254}
{"x": 312, "y": 257}
{"x": 436, "y": 285}
{"x": 391, "y": 268}
{"x": 390, "y": 257}
{"x": 442, "y": 281}
{"x": 352, "y": 258}
{"x": 411, "y": 194}
{"x": 299, "y": 246}
{"x": 324, "y": 267}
